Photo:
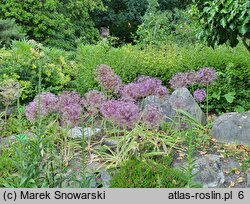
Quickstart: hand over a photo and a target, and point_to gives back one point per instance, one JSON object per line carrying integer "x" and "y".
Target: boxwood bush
{"x": 230, "y": 93}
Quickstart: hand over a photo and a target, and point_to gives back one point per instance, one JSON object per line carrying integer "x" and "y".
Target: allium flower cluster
{"x": 125, "y": 114}
{"x": 179, "y": 80}
{"x": 48, "y": 106}
{"x": 143, "y": 87}
{"x": 107, "y": 78}
{"x": 70, "y": 107}
{"x": 151, "y": 116}
{"x": 199, "y": 95}
{"x": 204, "y": 76}
{"x": 10, "y": 90}
{"x": 93, "y": 101}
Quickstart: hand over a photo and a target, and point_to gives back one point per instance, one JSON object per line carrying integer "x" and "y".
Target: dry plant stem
{"x": 5, "y": 113}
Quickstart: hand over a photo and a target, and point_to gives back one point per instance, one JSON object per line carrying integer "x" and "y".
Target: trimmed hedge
{"x": 232, "y": 66}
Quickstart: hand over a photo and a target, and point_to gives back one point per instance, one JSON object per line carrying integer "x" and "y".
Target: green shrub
{"x": 232, "y": 65}
{"x": 54, "y": 23}
{"x": 23, "y": 61}
{"x": 136, "y": 173}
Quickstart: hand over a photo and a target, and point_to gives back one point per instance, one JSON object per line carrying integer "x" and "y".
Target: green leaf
{"x": 22, "y": 137}
{"x": 216, "y": 95}
{"x": 230, "y": 96}
{"x": 243, "y": 29}
{"x": 239, "y": 109}
{"x": 223, "y": 22}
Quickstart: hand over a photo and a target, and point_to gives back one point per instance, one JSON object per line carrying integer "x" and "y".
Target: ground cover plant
{"x": 135, "y": 107}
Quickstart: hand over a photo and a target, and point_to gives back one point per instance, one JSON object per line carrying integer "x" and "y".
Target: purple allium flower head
{"x": 121, "y": 112}
{"x": 206, "y": 76}
{"x": 131, "y": 90}
{"x": 162, "y": 91}
{"x": 148, "y": 85}
{"x": 144, "y": 86}
{"x": 179, "y": 80}
{"x": 152, "y": 116}
{"x": 107, "y": 78}
{"x": 93, "y": 100}
{"x": 70, "y": 107}
{"x": 31, "y": 111}
{"x": 199, "y": 95}
{"x": 71, "y": 114}
{"x": 190, "y": 77}
{"x": 48, "y": 105}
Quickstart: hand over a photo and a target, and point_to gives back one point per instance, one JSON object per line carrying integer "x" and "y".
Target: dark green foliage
{"x": 173, "y": 4}
{"x": 9, "y": 31}
{"x": 159, "y": 26}
{"x": 122, "y": 17}
{"x": 54, "y": 22}
{"x": 149, "y": 173}
{"x": 223, "y": 21}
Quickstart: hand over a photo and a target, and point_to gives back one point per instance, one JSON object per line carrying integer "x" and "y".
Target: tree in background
{"x": 161, "y": 25}
{"x": 122, "y": 17}
{"x": 54, "y": 22}
{"x": 223, "y": 21}
{"x": 171, "y": 5}
{"x": 9, "y": 31}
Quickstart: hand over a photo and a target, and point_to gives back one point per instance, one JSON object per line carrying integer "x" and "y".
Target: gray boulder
{"x": 207, "y": 171}
{"x": 180, "y": 99}
{"x": 162, "y": 102}
{"x": 105, "y": 177}
{"x": 248, "y": 178}
{"x": 232, "y": 128}
{"x": 77, "y": 132}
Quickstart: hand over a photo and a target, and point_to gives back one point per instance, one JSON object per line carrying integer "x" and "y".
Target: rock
{"x": 232, "y": 128}
{"x": 248, "y": 178}
{"x": 10, "y": 110}
{"x": 105, "y": 177}
{"x": 109, "y": 142}
{"x": 6, "y": 141}
{"x": 76, "y": 132}
{"x": 166, "y": 108}
{"x": 207, "y": 171}
{"x": 93, "y": 166}
{"x": 180, "y": 99}
{"x": 229, "y": 164}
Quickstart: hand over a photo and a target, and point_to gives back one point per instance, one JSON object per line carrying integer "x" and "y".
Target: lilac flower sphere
{"x": 206, "y": 76}
{"x": 107, "y": 78}
{"x": 179, "y": 80}
{"x": 70, "y": 107}
{"x": 199, "y": 95}
{"x": 123, "y": 113}
{"x": 94, "y": 99}
{"x": 151, "y": 116}
{"x": 144, "y": 86}
{"x": 48, "y": 106}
